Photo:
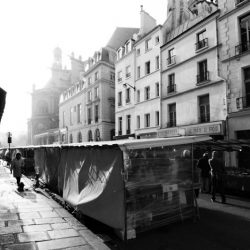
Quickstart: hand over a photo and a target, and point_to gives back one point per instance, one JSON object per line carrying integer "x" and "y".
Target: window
{"x": 96, "y": 113}
{"x": 147, "y": 120}
{"x": 147, "y": 93}
{"x": 79, "y": 111}
{"x": 119, "y": 76}
{"x": 157, "y": 39}
{"x": 79, "y": 137}
{"x": 128, "y": 71}
{"x": 138, "y": 72}
{"x": 120, "y": 126}
{"x": 128, "y": 124}
{"x": 90, "y": 137}
{"x": 96, "y": 76}
{"x": 138, "y": 95}
{"x": 96, "y": 92}
{"x": 89, "y": 115}
{"x": 244, "y": 34}
{"x": 171, "y": 83}
{"x": 202, "y": 41}
{"x": 157, "y": 118}
{"x": 147, "y": 68}
{"x": 171, "y": 57}
{"x": 127, "y": 95}
{"x": 63, "y": 119}
{"x": 204, "y": 108}
{"x": 112, "y": 76}
{"x": 128, "y": 47}
{"x": 71, "y": 115}
{"x": 138, "y": 121}
{"x": 89, "y": 96}
{"x": 202, "y": 72}
{"x": 89, "y": 80}
{"x": 157, "y": 63}
{"x": 172, "y": 115}
{"x": 246, "y": 103}
{"x": 138, "y": 52}
{"x": 120, "y": 98}
{"x": 97, "y": 135}
{"x": 157, "y": 89}
{"x": 147, "y": 45}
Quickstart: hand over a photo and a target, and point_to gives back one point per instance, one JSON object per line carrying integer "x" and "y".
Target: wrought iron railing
{"x": 203, "y": 77}
{"x": 204, "y": 118}
{"x": 243, "y": 102}
{"x": 171, "y": 60}
{"x": 201, "y": 44}
{"x": 242, "y": 47}
{"x": 171, "y": 88}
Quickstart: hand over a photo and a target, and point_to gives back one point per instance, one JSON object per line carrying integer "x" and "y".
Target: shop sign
{"x": 170, "y": 132}
{"x": 204, "y": 129}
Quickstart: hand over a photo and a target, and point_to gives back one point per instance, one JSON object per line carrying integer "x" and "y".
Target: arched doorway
{"x": 71, "y": 138}
{"x": 97, "y": 135}
{"x": 90, "y": 137}
{"x": 79, "y": 137}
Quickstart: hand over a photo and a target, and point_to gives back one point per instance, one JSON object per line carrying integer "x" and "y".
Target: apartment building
{"x": 138, "y": 81}
{"x": 87, "y": 109}
{"x": 234, "y": 37}
{"x": 193, "y": 93}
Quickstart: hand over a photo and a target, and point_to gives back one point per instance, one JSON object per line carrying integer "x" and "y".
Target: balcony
{"x": 204, "y": 118}
{"x": 243, "y": 102}
{"x": 241, "y": 48}
{"x": 128, "y": 75}
{"x": 119, "y": 79}
{"x": 240, "y": 2}
{"x": 171, "y": 88}
{"x": 203, "y": 77}
{"x": 171, "y": 60}
{"x": 128, "y": 131}
{"x": 201, "y": 44}
{"x": 120, "y": 132}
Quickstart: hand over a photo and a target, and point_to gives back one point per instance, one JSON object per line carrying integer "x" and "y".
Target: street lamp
{"x": 125, "y": 85}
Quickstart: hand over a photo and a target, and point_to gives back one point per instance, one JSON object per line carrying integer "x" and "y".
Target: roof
{"x": 120, "y": 36}
{"x": 132, "y": 143}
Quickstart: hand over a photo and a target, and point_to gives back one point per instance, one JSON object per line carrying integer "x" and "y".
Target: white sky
{"x": 31, "y": 29}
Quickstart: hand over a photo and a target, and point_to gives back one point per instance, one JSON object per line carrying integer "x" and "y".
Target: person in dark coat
{"x": 16, "y": 167}
{"x": 204, "y": 166}
{"x": 218, "y": 175}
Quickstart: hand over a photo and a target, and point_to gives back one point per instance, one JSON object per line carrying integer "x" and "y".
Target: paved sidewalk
{"x": 30, "y": 221}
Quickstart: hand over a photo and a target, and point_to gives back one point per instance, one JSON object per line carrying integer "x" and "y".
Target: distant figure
{"x": 218, "y": 174}
{"x": 204, "y": 166}
{"x": 16, "y": 166}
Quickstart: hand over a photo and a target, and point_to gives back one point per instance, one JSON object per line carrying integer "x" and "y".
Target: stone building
{"x": 2, "y": 102}
{"x": 44, "y": 122}
{"x": 87, "y": 112}
{"x": 234, "y": 40}
{"x": 138, "y": 82}
{"x": 193, "y": 93}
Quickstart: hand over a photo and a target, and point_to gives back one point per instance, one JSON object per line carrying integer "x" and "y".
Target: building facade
{"x": 193, "y": 93}
{"x": 44, "y": 122}
{"x": 87, "y": 109}
{"x": 234, "y": 37}
{"x": 138, "y": 82}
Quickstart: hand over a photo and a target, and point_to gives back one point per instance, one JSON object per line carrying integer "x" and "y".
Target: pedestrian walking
{"x": 218, "y": 175}
{"x": 16, "y": 167}
{"x": 204, "y": 166}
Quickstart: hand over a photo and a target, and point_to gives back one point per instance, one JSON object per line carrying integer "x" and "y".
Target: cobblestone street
{"x": 29, "y": 221}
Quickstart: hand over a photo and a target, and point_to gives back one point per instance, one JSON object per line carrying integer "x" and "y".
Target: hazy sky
{"x": 31, "y": 29}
